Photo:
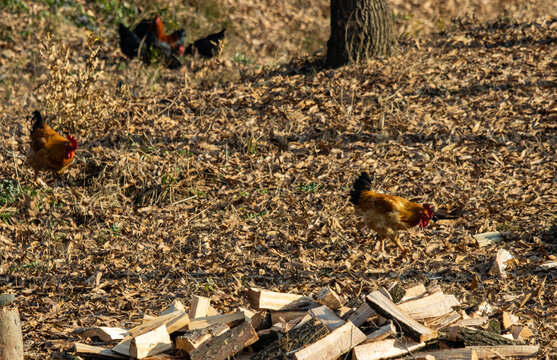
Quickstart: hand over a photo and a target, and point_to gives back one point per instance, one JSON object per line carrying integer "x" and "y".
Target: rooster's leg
{"x": 397, "y": 242}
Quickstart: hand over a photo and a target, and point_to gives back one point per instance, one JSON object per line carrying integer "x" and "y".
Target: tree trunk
{"x": 11, "y": 339}
{"x": 360, "y": 29}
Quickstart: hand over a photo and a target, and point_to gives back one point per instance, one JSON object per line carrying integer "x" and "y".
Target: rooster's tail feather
{"x": 362, "y": 183}
{"x": 39, "y": 121}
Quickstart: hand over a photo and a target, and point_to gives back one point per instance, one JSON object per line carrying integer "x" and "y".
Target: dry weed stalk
{"x": 72, "y": 95}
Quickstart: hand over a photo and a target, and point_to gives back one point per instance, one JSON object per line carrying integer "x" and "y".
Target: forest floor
{"x": 235, "y": 172}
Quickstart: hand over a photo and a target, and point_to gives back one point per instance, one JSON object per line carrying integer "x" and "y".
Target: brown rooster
{"x": 387, "y": 214}
{"x": 49, "y": 151}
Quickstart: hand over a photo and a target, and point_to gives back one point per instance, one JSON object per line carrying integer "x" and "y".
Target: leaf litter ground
{"x": 223, "y": 176}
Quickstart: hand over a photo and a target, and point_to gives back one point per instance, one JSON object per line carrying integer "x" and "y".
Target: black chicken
{"x": 207, "y": 46}
{"x": 149, "y": 41}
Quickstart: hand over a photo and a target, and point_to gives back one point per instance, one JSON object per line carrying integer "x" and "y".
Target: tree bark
{"x": 296, "y": 338}
{"x": 360, "y": 29}
{"x": 11, "y": 338}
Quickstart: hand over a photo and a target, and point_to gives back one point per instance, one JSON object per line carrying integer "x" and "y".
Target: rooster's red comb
{"x": 429, "y": 210}
{"x": 73, "y": 141}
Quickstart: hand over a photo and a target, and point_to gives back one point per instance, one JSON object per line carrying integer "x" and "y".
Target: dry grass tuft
{"x": 72, "y": 93}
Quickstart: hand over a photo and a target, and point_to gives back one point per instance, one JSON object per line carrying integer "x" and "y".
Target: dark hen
{"x": 149, "y": 41}
{"x": 129, "y": 41}
{"x": 207, "y": 46}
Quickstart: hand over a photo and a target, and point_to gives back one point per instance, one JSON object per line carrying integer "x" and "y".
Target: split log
{"x": 434, "y": 305}
{"x": 177, "y": 323}
{"x": 472, "y": 337}
{"x": 97, "y": 350}
{"x": 344, "y": 312}
{"x": 11, "y": 337}
{"x": 195, "y": 338}
{"x": 382, "y": 333}
{"x": 397, "y": 292}
{"x": 255, "y": 318}
{"x": 270, "y": 300}
{"x": 123, "y": 347}
{"x": 266, "y": 338}
{"x": 449, "y": 354}
{"x": 102, "y": 332}
{"x": 151, "y": 343}
{"x": 361, "y": 314}
{"x": 154, "y": 324}
{"x": 443, "y": 321}
{"x": 211, "y": 311}
{"x": 385, "y": 293}
{"x": 287, "y": 316}
{"x": 283, "y": 327}
{"x": 327, "y": 317}
{"x": 199, "y": 307}
{"x": 303, "y": 320}
{"x": 333, "y": 345}
{"x": 326, "y": 296}
{"x": 199, "y": 323}
{"x": 478, "y": 322}
{"x": 147, "y": 317}
{"x": 504, "y": 351}
{"x": 390, "y": 310}
{"x": 227, "y": 344}
{"x": 385, "y": 349}
{"x": 413, "y": 292}
{"x": 521, "y": 332}
{"x": 176, "y": 305}
{"x": 299, "y": 337}
{"x": 432, "y": 290}
{"x": 508, "y": 320}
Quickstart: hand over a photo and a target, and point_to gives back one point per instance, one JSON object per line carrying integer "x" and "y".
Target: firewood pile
{"x": 413, "y": 323}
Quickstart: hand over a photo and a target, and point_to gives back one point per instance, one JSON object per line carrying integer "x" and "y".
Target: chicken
{"x": 148, "y": 39}
{"x": 208, "y": 46}
{"x": 49, "y": 151}
{"x": 175, "y": 40}
{"x": 129, "y": 41}
{"x": 387, "y": 214}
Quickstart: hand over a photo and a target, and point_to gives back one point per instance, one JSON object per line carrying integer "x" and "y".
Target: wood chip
{"x": 488, "y": 238}
{"x": 502, "y": 259}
